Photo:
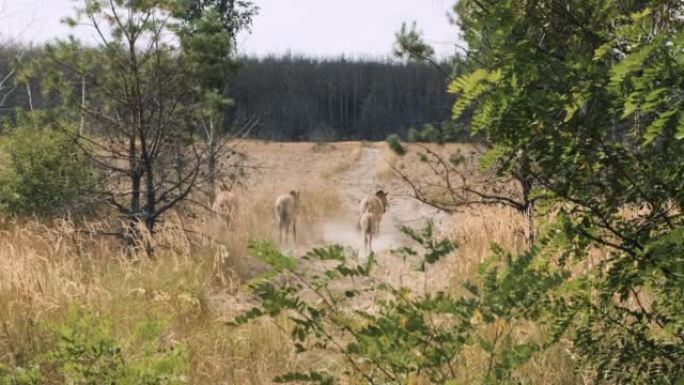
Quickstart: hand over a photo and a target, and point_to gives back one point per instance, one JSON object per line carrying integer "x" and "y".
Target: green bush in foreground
{"x": 407, "y": 335}
{"x": 45, "y": 174}
{"x": 517, "y": 309}
{"x": 85, "y": 351}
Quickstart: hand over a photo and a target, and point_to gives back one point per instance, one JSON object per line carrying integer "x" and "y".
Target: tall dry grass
{"x": 475, "y": 229}
{"x": 47, "y": 268}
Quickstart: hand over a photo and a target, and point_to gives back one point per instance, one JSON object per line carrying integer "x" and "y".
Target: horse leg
{"x": 368, "y": 238}
{"x": 370, "y": 243}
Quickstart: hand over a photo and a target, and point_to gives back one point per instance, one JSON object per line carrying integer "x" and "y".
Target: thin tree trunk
{"x": 83, "y": 103}
{"x": 179, "y": 161}
{"x": 530, "y": 223}
{"x": 135, "y": 179}
{"x": 150, "y": 198}
{"x": 212, "y": 159}
{"x": 528, "y": 204}
{"x": 150, "y": 208}
{"x": 30, "y": 96}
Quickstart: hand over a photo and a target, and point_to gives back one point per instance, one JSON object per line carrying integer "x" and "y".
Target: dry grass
{"x": 47, "y": 268}
{"x": 43, "y": 274}
{"x": 196, "y": 282}
{"x": 343, "y": 160}
{"x": 475, "y": 230}
{"x": 384, "y": 170}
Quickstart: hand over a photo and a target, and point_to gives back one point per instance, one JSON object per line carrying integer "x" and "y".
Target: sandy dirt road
{"x": 360, "y": 181}
{"x": 351, "y": 186}
{"x": 404, "y": 210}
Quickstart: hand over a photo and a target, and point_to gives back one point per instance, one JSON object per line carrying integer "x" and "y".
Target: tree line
{"x": 300, "y": 98}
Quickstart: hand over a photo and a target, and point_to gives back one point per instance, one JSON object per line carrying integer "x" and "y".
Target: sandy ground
{"x": 302, "y": 167}
{"x": 360, "y": 181}
{"x": 404, "y": 211}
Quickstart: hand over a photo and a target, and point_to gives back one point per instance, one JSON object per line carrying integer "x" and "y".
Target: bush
{"x": 19, "y": 376}
{"x": 85, "y": 351}
{"x": 45, "y": 174}
{"x": 449, "y": 131}
{"x": 394, "y": 143}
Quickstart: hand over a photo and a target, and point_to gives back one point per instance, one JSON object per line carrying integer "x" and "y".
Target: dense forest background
{"x": 298, "y": 98}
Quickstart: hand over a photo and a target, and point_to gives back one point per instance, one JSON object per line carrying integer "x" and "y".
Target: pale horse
{"x": 372, "y": 208}
{"x": 286, "y": 210}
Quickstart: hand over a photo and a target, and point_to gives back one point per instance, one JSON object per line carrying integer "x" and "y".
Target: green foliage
{"x": 46, "y": 173}
{"x": 85, "y": 351}
{"x": 470, "y": 87}
{"x": 19, "y": 376}
{"x": 449, "y": 131}
{"x": 592, "y": 109}
{"x": 435, "y": 250}
{"x": 208, "y": 55}
{"x": 428, "y": 133}
{"x": 408, "y": 333}
{"x": 410, "y": 44}
{"x": 313, "y": 377}
{"x": 233, "y": 16}
{"x": 268, "y": 253}
{"x": 395, "y": 145}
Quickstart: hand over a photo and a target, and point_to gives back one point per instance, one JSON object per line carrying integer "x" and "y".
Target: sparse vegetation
{"x": 344, "y": 161}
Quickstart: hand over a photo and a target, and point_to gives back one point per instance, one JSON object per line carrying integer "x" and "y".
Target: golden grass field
{"x": 196, "y": 282}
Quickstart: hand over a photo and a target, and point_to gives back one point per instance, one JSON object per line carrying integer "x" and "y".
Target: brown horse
{"x": 377, "y": 205}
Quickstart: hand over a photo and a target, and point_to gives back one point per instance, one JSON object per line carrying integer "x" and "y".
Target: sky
{"x": 320, "y": 28}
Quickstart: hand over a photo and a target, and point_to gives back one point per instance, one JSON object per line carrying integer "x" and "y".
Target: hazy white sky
{"x": 312, "y": 27}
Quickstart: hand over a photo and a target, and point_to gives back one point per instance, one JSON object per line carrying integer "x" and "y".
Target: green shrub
{"x": 85, "y": 351}
{"x": 408, "y": 337}
{"x": 448, "y": 131}
{"x": 394, "y": 143}
{"x": 19, "y": 376}
{"x": 45, "y": 173}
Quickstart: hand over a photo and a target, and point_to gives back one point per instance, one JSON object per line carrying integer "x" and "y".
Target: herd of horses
{"x": 287, "y": 206}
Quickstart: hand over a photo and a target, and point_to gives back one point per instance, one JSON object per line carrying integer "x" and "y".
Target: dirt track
{"x": 360, "y": 181}
{"x": 351, "y": 186}
{"x": 404, "y": 210}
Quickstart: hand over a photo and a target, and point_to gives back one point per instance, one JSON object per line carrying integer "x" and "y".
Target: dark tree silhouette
{"x": 299, "y": 98}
